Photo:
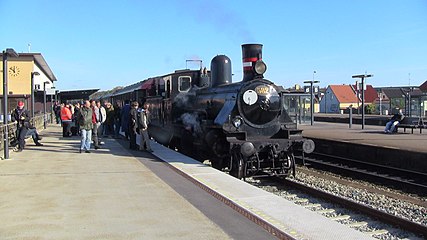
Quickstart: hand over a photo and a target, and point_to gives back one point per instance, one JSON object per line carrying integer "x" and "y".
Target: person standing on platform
{"x": 133, "y": 125}
{"x": 143, "y": 121}
{"x": 22, "y": 117}
{"x": 102, "y": 118}
{"x": 57, "y": 111}
{"x": 84, "y": 118}
{"x": 66, "y": 118}
{"x": 96, "y": 123}
{"x": 109, "y": 122}
{"x": 124, "y": 115}
{"x": 117, "y": 119}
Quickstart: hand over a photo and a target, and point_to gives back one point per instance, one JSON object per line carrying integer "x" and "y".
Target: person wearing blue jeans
{"x": 85, "y": 119}
{"x": 86, "y": 140}
{"x": 394, "y": 121}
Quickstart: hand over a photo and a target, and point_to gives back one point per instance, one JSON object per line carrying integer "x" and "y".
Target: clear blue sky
{"x": 103, "y": 44}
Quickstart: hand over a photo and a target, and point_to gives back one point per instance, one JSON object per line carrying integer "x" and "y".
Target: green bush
{"x": 370, "y": 109}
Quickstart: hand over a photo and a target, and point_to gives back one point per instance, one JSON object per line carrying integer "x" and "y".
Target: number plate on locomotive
{"x": 262, "y": 90}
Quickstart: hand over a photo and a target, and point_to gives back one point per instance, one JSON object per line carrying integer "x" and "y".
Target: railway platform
{"x": 406, "y": 150}
{"x": 54, "y": 192}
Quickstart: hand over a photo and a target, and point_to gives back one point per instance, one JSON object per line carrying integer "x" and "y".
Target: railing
{"x": 37, "y": 121}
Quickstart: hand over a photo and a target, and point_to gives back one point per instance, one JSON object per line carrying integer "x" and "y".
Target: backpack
{"x": 139, "y": 117}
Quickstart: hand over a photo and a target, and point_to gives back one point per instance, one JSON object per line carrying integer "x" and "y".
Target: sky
{"x": 104, "y": 44}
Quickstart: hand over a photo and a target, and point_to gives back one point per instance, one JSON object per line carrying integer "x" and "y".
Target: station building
{"x": 20, "y": 70}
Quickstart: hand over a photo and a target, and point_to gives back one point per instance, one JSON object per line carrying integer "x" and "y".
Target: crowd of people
{"x": 92, "y": 121}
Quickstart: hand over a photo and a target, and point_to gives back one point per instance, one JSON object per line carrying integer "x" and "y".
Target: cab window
{"x": 184, "y": 83}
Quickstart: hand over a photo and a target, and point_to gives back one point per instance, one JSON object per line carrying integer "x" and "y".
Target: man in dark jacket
{"x": 124, "y": 114}
{"x": 22, "y": 117}
{"x": 85, "y": 121}
{"x": 117, "y": 119}
{"x": 133, "y": 125}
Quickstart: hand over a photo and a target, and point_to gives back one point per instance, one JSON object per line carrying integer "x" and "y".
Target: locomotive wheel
{"x": 238, "y": 169}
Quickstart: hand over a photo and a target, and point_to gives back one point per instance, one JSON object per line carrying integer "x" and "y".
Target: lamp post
{"x": 311, "y": 98}
{"x": 380, "y": 96}
{"x": 44, "y": 104}
{"x": 363, "y": 76}
{"x": 52, "y": 111}
{"x": 6, "y": 53}
{"x": 32, "y": 94}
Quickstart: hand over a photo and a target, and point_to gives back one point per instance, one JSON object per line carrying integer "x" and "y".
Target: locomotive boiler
{"x": 240, "y": 127}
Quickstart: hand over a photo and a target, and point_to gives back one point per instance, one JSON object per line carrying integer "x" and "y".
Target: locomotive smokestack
{"x": 251, "y": 53}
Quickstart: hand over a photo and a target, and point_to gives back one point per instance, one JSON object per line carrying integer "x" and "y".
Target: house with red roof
{"x": 340, "y": 97}
{"x": 337, "y": 98}
{"x": 423, "y": 87}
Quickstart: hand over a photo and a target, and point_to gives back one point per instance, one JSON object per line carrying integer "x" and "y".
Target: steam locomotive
{"x": 240, "y": 127}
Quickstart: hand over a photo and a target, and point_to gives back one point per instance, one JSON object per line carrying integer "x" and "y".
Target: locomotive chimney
{"x": 251, "y": 53}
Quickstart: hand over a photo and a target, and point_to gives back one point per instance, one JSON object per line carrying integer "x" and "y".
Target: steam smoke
{"x": 191, "y": 120}
{"x": 224, "y": 19}
{"x": 185, "y": 100}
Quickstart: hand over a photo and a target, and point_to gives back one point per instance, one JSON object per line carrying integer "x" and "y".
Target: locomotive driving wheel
{"x": 238, "y": 165}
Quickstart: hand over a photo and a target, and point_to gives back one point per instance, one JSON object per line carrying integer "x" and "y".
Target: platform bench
{"x": 421, "y": 124}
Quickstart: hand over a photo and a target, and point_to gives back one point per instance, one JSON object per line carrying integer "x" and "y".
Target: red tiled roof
{"x": 370, "y": 94}
{"x": 344, "y": 93}
{"x": 423, "y": 87}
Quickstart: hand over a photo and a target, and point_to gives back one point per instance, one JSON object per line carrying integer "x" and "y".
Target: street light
{"x": 52, "y": 111}
{"x": 32, "y": 94}
{"x": 311, "y": 98}
{"x": 6, "y": 53}
{"x": 380, "y": 96}
{"x": 363, "y": 76}
{"x": 44, "y": 104}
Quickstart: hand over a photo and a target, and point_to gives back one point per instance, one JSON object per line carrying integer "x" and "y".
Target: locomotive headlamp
{"x": 260, "y": 67}
{"x": 237, "y": 122}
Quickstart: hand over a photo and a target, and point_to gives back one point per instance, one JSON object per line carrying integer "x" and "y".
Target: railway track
{"x": 400, "y": 179}
{"x": 346, "y": 203}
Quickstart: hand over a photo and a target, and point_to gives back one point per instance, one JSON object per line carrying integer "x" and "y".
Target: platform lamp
{"x": 6, "y": 53}
{"x": 52, "y": 111}
{"x": 44, "y": 104}
{"x": 311, "y": 98}
{"x": 33, "y": 74}
{"x": 363, "y": 76}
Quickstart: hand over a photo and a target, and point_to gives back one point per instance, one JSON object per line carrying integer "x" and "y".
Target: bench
{"x": 412, "y": 124}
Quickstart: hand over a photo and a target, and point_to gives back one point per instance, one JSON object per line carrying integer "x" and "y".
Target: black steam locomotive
{"x": 241, "y": 127}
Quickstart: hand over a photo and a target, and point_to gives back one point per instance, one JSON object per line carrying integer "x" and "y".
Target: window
{"x": 184, "y": 84}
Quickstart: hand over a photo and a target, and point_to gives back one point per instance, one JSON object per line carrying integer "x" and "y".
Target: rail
{"x": 369, "y": 211}
{"x": 38, "y": 121}
{"x": 398, "y": 178}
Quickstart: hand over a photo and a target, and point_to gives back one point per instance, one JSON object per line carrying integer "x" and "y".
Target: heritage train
{"x": 240, "y": 127}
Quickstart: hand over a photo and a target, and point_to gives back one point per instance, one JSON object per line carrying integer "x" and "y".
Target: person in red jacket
{"x": 66, "y": 118}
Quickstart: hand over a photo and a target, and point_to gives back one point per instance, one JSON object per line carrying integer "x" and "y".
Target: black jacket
{"x": 23, "y": 118}
{"x": 133, "y": 120}
{"x": 397, "y": 117}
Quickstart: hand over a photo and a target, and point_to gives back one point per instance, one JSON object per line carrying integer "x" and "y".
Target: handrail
{"x": 37, "y": 121}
